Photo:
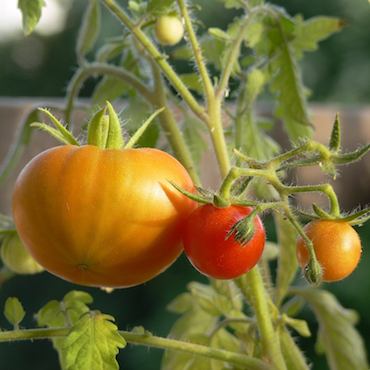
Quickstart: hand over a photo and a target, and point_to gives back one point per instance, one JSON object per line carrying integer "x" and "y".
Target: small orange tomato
{"x": 337, "y": 247}
{"x": 102, "y": 217}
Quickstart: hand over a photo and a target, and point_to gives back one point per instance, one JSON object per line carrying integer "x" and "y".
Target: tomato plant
{"x": 104, "y": 218}
{"x": 107, "y": 214}
{"x": 209, "y": 248}
{"x": 337, "y": 247}
{"x": 168, "y": 30}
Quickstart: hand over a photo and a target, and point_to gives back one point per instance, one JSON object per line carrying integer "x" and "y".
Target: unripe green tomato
{"x": 16, "y": 257}
{"x": 169, "y": 30}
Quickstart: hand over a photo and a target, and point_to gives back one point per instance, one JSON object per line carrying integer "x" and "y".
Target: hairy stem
{"x": 158, "y": 58}
{"x": 252, "y": 286}
{"x": 102, "y": 69}
{"x": 147, "y": 340}
{"x": 170, "y": 126}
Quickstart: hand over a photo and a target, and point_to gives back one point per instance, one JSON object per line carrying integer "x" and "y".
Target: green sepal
{"x": 357, "y": 218}
{"x": 334, "y": 144}
{"x": 328, "y": 167}
{"x": 115, "y": 138}
{"x": 240, "y": 186}
{"x": 321, "y": 213}
{"x": 190, "y": 195}
{"x": 350, "y": 157}
{"x": 313, "y": 272}
{"x": 98, "y": 129}
{"x": 60, "y": 133}
{"x": 220, "y": 202}
{"x": 136, "y": 136}
{"x": 244, "y": 229}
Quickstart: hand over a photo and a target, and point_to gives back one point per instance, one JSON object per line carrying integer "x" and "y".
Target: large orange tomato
{"x": 106, "y": 218}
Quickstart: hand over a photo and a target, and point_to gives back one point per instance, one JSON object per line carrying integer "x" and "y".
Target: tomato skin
{"x": 337, "y": 247}
{"x": 209, "y": 252}
{"x": 106, "y": 218}
{"x": 168, "y": 30}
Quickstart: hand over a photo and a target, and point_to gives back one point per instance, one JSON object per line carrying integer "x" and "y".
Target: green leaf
{"x": 159, "y": 7}
{"x": 288, "y": 86}
{"x": 75, "y": 304}
{"x": 181, "y": 304}
{"x": 93, "y": 343}
{"x": 14, "y": 311}
{"x": 31, "y": 13}
{"x": 140, "y": 131}
{"x": 229, "y": 4}
{"x": 51, "y": 315}
{"x": 193, "y": 131}
{"x": 111, "y": 49}
{"x": 337, "y": 336}
{"x": 57, "y": 314}
{"x": 137, "y": 111}
{"x": 287, "y": 260}
{"x": 256, "y": 144}
{"x": 300, "y": 326}
{"x": 108, "y": 88}
{"x": 219, "y": 34}
{"x": 192, "y": 81}
{"x": 254, "y": 33}
{"x": 308, "y": 33}
{"x": 89, "y": 29}
{"x": 256, "y": 80}
{"x": 21, "y": 140}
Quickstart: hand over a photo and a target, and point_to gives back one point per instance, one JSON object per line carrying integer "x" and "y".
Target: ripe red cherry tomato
{"x": 106, "y": 218}
{"x": 205, "y": 245}
{"x": 337, "y": 247}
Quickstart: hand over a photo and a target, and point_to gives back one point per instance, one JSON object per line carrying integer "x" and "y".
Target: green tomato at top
{"x": 169, "y": 30}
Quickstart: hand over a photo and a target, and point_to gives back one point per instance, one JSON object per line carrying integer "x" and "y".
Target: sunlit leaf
{"x": 93, "y": 343}
{"x": 308, "y": 33}
{"x": 159, "y": 7}
{"x": 192, "y": 81}
{"x": 89, "y": 29}
{"x": 14, "y": 311}
{"x": 31, "y": 13}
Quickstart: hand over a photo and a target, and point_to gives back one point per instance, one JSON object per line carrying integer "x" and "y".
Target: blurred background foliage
{"x": 42, "y": 64}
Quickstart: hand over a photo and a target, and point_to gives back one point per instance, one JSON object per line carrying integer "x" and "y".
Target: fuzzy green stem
{"x": 253, "y": 288}
{"x": 105, "y": 69}
{"x": 148, "y": 340}
{"x": 234, "y": 53}
{"x": 170, "y": 126}
{"x": 158, "y": 58}
{"x": 216, "y": 131}
{"x": 197, "y": 51}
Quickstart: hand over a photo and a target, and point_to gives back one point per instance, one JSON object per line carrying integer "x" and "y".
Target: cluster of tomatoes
{"x": 110, "y": 218}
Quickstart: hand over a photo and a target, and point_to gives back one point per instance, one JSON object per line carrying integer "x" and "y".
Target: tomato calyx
{"x": 104, "y": 130}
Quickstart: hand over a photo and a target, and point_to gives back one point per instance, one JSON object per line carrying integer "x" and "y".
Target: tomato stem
{"x": 147, "y": 340}
{"x": 251, "y": 284}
